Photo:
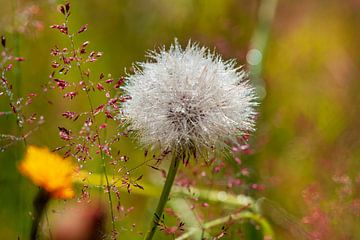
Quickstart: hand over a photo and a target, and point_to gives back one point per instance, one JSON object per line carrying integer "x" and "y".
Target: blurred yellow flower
{"x": 49, "y": 171}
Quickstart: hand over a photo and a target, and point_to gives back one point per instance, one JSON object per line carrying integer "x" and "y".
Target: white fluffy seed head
{"x": 189, "y": 99}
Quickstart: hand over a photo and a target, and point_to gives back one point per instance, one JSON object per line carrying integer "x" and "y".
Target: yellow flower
{"x": 49, "y": 171}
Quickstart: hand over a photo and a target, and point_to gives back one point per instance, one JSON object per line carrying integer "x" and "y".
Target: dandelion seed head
{"x": 189, "y": 98}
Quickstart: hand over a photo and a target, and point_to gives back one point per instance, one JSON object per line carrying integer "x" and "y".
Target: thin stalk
{"x": 17, "y": 73}
{"x": 175, "y": 162}
{"x": 17, "y": 69}
{"x": 103, "y": 164}
{"x": 109, "y": 195}
{"x": 265, "y": 226}
{"x": 19, "y": 115}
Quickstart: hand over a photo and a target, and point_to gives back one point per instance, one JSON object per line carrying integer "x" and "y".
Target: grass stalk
{"x": 103, "y": 163}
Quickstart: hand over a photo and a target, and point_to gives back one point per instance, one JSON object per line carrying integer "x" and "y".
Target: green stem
{"x": 175, "y": 162}
{"x": 17, "y": 69}
{"x": 108, "y": 190}
{"x": 19, "y": 116}
{"x": 265, "y": 226}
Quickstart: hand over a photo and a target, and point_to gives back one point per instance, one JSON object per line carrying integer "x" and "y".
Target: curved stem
{"x": 266, "y": 228}
{"x": 216, "y": 196}
{"x": 175, "y": 162}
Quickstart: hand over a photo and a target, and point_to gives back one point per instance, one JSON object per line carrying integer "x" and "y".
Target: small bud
{"x": 9, "y": 67}
{"x": 69, "y": 114}
{"x": 83, "y": 28}
{"x": 67, "y": 6}
{"x": 62, "y": 84}
{"x": 119, "y": 83}
{"x": 100, "y": 87}
{"x": 19, "y": 59}
{"x": 52, "y": 74}
{"x": 61, "y": 9}
{"x": 55, "y": 64}
{"x": 61, "y": 28}
{"x": 65, "y": 134}
{"x": 70, "y": 95}
{"x": 85, "y": 44}
{"x": 109, "y": 80}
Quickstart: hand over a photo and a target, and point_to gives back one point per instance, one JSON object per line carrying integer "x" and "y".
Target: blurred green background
{"x": 309, "y": 118}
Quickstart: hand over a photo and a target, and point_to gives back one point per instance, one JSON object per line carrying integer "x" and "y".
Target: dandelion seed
{"x": 48, "y": 171}
{"x": 189, "y": 99}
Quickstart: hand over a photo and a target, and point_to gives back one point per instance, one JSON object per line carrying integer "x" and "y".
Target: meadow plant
{"x": 187, "y": 102}
{"x": 26, "y": 122}
{"x": 54, "y": 176}
{"x": 91, "y": 138}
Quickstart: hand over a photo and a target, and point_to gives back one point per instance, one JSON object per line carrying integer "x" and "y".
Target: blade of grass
{"x": 265, "y": 226}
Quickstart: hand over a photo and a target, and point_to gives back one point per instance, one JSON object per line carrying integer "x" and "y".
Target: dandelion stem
{"x": 40, "y": 202}
{"x": 175, "y": 162}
